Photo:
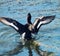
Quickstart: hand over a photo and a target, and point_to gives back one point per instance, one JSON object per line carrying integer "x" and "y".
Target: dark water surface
{"x": 48, "y": 36}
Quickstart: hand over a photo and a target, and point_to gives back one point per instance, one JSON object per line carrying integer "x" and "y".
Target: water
{"x": 48, "y": 36}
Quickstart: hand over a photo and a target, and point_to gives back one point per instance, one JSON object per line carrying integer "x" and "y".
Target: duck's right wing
{"x": 10, "y": 22}
{"x": 42, "y": 21}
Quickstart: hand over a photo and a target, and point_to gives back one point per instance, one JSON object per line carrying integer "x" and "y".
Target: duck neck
{"x": 29, "y": 22}
{"x": 29, "y": 18}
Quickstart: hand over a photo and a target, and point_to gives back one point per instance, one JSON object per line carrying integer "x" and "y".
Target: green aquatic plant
{"x": 30, "y": 45}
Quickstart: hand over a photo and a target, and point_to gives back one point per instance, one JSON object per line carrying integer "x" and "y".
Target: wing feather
{"x": 42, "y": 21}
{"x": 13, "y": 23}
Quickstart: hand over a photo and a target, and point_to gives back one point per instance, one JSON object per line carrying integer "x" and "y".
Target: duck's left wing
{"x": 11, "y": 22}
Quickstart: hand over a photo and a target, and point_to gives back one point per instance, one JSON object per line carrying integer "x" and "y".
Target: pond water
{"x": 48, "y": 36}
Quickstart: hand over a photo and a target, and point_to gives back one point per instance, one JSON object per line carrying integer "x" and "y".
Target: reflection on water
{"x": 30, "y": 45}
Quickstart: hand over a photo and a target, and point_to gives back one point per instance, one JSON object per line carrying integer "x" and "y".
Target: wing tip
{"x": 53, "y": 16}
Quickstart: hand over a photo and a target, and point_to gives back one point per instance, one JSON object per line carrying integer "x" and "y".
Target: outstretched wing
{"x": 13, "y": 23}
{"x": 42, "y": 21}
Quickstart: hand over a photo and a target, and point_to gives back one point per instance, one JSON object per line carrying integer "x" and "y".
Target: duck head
{"x": 29, "y": 18}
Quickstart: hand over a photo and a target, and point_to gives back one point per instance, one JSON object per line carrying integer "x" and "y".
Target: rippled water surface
{"x": 48, "y": 36}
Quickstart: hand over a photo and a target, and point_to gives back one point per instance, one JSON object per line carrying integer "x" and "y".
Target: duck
{"x": 29, "y": 28}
